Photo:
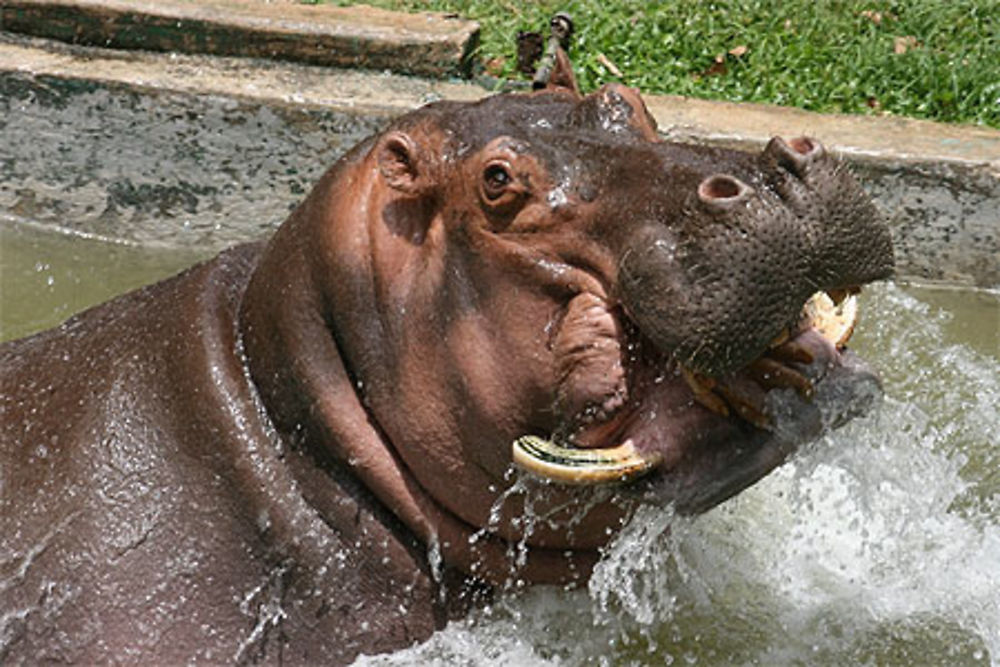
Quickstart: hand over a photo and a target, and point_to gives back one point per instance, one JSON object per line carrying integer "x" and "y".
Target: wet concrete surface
{"x": 163, "y": 168}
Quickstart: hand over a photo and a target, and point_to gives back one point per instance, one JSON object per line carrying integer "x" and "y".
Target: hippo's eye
{"x": 496, "y": 178}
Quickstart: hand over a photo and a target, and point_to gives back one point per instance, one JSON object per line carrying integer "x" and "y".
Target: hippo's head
{"x": 544, "y": 270}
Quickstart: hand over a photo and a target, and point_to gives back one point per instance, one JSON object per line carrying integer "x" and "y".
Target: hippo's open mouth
{"x": 705, "y": 439}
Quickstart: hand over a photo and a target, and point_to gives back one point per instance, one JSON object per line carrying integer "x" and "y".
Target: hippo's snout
{"x": 714, "y": 285}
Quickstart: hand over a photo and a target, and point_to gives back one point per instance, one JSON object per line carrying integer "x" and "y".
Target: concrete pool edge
{"x": 939, "y": 184}
{"x": 425, "y": 44}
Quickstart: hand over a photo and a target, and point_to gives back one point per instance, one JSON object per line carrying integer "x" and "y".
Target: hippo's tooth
{"x": 834, "y": 321}
{"x": 702, "y": 388}
{"x": 570, "y": 465}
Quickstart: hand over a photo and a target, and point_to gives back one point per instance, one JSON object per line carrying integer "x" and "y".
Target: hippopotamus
{"x": 486, "y": 336}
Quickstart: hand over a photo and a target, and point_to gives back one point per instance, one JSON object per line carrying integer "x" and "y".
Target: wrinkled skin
{"x": 266, "y": 457}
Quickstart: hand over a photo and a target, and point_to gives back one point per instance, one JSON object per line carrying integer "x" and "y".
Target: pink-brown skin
{"x": 254, "y": 460}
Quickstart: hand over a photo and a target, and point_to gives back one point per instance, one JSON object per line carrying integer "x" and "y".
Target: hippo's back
{"x": 113, "y": 490}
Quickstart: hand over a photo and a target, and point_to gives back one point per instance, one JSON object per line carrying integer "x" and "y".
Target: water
{"x": 879, "y": 544}
{"x": 45, "y": 277}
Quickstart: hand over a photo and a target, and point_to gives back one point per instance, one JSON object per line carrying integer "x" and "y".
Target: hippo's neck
{"x": 295, "y": 367}
{"x": 301, "y": 376}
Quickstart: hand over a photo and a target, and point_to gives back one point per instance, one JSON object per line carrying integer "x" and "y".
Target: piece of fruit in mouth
{"x": 832, "y": 314}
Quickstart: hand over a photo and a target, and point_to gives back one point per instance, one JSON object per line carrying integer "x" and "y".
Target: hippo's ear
{"x": 398, "y": 162}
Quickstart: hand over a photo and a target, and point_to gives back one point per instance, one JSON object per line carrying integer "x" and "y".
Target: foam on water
{"x": 879, "y": 544}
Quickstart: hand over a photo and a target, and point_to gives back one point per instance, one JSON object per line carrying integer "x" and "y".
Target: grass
{"x": 935, "y": 59}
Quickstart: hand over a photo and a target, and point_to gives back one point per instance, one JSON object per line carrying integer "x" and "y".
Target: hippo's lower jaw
{"x": 679, "y": 435}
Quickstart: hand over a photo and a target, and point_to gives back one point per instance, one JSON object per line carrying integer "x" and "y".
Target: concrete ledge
{"x": 423, "y": 44}
{"x": 939, "y": 184}
{"x": 357, "y": 91}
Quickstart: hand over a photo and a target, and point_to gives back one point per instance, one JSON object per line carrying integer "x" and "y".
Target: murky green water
{"x": 879, "y": 544}
{"x": 45, "y": 277}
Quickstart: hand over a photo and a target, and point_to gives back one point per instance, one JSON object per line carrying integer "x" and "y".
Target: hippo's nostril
{"x": 804, "y": 145}
{"x": 723, "y": 189}
{"x": 796, "y": 154}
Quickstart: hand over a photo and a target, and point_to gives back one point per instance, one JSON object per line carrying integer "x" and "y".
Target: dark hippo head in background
{"x": 543, "y": 270}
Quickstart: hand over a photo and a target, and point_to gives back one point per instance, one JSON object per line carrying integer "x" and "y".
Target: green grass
{"x": 824, "y": 55}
